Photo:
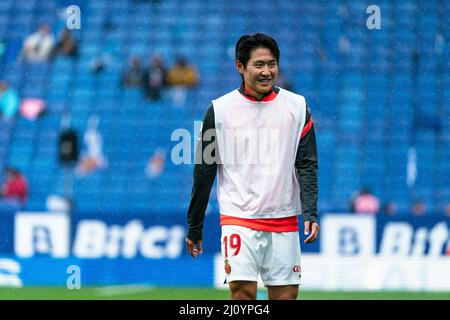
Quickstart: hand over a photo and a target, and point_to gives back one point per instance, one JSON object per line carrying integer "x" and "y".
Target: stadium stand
{"x": 374, "y": 95}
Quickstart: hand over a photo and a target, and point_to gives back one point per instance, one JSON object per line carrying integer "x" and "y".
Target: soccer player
{"x": 261, "y": 140}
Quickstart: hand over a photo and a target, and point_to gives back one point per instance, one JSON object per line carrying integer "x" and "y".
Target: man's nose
{"x": 265, "y": 70}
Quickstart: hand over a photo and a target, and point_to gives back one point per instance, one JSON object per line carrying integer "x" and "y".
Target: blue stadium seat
{"x": 362, "y": 100}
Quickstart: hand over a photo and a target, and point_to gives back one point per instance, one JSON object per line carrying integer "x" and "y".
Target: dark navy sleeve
{"x": 306, "y": 165}
{"x": 205, "y": 170}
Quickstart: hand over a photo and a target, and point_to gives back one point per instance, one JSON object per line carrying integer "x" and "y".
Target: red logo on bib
{"x": 296, "y": 268}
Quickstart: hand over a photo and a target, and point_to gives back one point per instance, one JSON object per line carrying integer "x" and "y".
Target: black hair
{"x": 248, "y": 42}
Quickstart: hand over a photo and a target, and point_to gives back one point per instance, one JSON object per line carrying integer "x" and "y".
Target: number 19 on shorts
{"x": 233, "y": 243}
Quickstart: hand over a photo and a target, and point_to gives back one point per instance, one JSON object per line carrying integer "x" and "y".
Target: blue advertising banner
{"x": 43, "y": 271}
{"x": 351, "y": 235}
{"x": 162, "y": 236}
{"x": 39, "y": 248}
{"x": 413, "y": 236}
{"x": 85, "y": 235}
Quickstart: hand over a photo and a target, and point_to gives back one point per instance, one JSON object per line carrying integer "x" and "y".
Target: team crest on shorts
{"x": 227, "y": 267}
{"x": 297, "y": 269}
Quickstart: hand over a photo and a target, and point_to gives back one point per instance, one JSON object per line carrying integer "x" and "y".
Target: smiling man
{"x": 265, "y": 184}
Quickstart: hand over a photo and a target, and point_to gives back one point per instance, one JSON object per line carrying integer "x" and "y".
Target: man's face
{"x": 261, "y": 71}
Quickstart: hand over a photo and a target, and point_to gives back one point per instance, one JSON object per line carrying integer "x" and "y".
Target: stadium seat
{"x": 362, "y": 100}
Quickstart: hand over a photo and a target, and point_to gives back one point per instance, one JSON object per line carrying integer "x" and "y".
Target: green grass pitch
{"x": 148, "y": 293}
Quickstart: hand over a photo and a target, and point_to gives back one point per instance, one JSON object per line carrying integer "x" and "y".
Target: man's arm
{"x": 306, "y": 164}
{"x": 204, "y": 174}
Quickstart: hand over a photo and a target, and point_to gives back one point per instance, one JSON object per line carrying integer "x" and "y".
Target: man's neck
{"x": 267, "y": 96}
{"x": 251, "y": 92}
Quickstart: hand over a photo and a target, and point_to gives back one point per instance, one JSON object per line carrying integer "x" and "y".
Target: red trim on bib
{"x": 268, "y": 96}
{"x": 306, "y": 128}
{"x": 288, "y": 224}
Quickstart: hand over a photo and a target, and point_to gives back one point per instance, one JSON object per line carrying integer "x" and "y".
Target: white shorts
{"x": 249, "y": 253}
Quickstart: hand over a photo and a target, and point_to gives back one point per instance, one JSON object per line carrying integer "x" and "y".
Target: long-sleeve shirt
{"x": 302, "y": 170}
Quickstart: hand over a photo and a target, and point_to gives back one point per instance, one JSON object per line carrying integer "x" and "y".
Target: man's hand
{"x": 314, "y": 231}
{"x": 194, "y": 248}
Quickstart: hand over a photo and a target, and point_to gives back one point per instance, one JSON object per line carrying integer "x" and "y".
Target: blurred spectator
{"x": 133, "y": 74}
{"x": 181, "y": 77}
{"x": 155, "y": 164}
{"x": 366, "y": 202}
{"x": 67, "y": 45}
{"x": 390, "y": 208}
{"x": 15, "y": 188}
{"x": 418, "y": 208}
{"x": 68, "y": 149}
{"x": 154, "y": 78}
{"x": 92, "y": 158}
{"x": 9, "y": 101}
{"x": 38, "y": 46}
{"x": 32, "y": 108}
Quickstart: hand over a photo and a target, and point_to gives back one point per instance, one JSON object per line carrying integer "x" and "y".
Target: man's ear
{"x": 240, "y": 67}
